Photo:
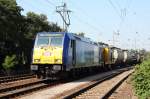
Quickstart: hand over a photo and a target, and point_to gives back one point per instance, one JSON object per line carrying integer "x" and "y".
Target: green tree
{"x": 10, "y": 21}
{"x": 39, "y": 23}
{"x": 11, "y": 26}
{"x": 9, "y": 63}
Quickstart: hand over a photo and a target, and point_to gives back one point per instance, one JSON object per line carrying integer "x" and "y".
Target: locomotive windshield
{"x": 56, "y": 41}
{"x": 49, "y": 40}
{"x": 43, "y": 41}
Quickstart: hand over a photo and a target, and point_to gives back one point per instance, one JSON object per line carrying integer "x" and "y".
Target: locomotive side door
{"x": 73, "y": 45}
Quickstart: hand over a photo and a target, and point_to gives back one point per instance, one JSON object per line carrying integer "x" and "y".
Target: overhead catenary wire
{"x": 51, "y": 3}
{"x": 88, "y": 24}
{"x": 82, "y": 21}
{"x": 125, "y": 13}
{"x": 121, "y": 12}
{"x": 115, "y": 8}
{"x": 85, "y": 13}
{"x": 118, "y": 5}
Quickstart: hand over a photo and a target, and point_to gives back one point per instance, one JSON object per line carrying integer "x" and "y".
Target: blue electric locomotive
{"x": 59, "y": 53}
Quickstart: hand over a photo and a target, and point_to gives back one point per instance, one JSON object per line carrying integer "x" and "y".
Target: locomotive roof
{"x": 78, "y": 37}
{"x": 71, "y": 35}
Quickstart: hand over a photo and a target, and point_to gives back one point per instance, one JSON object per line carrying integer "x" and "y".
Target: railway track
{"x": 7, "y": 79}
{"x": 75, "y": 88}
{"x": 24, "y": 88}
{"x": 36, "y": 85}
{"x": 99, "y": 89}
{"x": 110, "y": 92}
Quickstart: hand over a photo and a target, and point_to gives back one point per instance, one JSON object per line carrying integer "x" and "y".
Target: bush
{"x": 10, "y": 62}
{"x": 141, "y": 79}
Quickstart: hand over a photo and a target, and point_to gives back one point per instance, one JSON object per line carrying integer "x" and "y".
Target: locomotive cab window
{"x": 50, "y": 40}
{"x": 56, "y": 41}
{"x": 42, "y": 41}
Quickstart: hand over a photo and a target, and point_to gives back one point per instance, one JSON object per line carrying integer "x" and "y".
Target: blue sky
{"x": 100, "y": 18}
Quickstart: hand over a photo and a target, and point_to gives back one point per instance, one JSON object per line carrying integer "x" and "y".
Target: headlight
{"x": 34, "y": 67}
{"x": 56, "y": 67}
{"x": 36, "y": 60}
{"x": 57, "y": 60}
